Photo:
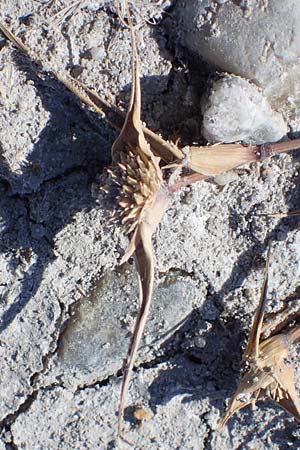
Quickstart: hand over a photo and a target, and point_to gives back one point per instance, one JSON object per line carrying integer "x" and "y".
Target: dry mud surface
{"x": 67, "y": 308}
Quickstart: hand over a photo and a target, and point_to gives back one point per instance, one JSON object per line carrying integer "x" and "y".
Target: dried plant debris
{"x": 295, "y": 213}
{"x": 203, "y": 161}
{"x": 143, "y": 198}
{"x": 14, "y": 39}
{"x": 63, "y": 14}
{"x": 150, "y": 11}
{"x": 268, "y": 372}
{"x": 143, "y": 194}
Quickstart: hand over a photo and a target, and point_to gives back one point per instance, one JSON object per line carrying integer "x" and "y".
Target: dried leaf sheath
{"x": 145, "y": 268}
{"x": 215, "y": 159}
{"x": 166, "y": 150}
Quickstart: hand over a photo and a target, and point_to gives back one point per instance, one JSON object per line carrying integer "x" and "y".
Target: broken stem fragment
{"x": 215, "y": 159}
{"x": 14, "y": 39}
{"x": 295, "y": 213}
{"x": 268, "y": 370}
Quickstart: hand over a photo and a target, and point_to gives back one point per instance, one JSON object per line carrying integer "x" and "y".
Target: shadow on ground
{"x": 55, "y": 183}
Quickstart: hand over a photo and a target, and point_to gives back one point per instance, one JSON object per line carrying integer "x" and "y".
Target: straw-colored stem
{"x": 187, "y": 181}
{"x": 13, "y": 38}
{"x": 294, "y": 334}
{"x": 283, "y": 147}
{"x": 283, "y": 215}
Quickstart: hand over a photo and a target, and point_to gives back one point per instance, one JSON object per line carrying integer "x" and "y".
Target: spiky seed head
{"x": 138, "y": 180}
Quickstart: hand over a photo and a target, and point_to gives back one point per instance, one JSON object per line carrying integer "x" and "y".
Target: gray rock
{"x": 101, "y": 328}
{"x": 261, "y": 44}
{"x": 236, "y": 111}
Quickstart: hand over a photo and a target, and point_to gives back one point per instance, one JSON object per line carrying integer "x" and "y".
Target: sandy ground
{"x": 67, "y": 307}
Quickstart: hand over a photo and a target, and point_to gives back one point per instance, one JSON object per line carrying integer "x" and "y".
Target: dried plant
{"x": 287, "y": 214}
{"x": 142, "y": 199}
{"x": 14, "y": 39}
{"x": 268, "y": 372}
{"x": 139, "y": 155}
{"x": 202, "y": 161}
{"x": 65, "y": 13}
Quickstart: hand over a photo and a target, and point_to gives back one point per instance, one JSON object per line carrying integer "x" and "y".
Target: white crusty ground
{"x": 67, "y": 309}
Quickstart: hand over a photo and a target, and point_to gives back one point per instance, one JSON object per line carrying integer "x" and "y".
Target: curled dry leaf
{"x": 268, "y": 369}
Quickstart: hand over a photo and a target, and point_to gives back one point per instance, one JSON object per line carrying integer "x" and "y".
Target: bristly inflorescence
{"x": 138, "y": 180}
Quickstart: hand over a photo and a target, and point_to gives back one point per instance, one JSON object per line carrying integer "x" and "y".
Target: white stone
{"x": 236, "y": 110}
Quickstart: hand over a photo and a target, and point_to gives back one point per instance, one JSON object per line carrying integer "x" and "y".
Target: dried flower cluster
{"x": 138, "y": 182}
